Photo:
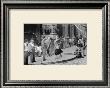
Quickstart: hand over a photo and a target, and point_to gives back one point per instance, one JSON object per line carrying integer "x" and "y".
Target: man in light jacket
{"x": 31, "y": 50}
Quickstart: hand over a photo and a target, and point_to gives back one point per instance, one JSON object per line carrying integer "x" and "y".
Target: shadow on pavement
{"x": 63, "y": 61}
{"x": 69, "y": 53}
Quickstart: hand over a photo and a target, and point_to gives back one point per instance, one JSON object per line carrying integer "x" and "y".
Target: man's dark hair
{"x": 26, "y": 40}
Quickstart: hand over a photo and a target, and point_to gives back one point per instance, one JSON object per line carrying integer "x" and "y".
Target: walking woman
{"x": 58, "y": 50}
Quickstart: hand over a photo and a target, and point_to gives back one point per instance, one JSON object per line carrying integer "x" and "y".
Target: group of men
{"x": 81, "y": 47}
{"x": 30, "y": 51}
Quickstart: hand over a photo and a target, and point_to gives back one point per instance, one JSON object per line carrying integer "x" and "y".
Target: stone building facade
{"x": 67, "y": 31}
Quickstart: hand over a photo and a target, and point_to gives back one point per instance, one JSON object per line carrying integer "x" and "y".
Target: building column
{"x": 43, "y": 29}
{"x": 52, "y": 27}
{"x": 65, "y": 30}
{"x": 72, "y": 29}
{"x": 66, "y": 35}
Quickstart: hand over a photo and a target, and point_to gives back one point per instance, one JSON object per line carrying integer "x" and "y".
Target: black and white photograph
{"x": 58, "y": 43}
{"x": 55, "y": 44}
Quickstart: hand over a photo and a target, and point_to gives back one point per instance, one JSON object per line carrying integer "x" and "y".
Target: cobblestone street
{"x": 68, "y": 58}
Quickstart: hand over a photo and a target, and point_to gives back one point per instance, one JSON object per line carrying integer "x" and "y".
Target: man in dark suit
{"x": 26, "y": 52}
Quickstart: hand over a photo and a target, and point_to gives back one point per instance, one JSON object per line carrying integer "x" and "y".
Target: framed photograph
{"x": 55, "y": 44}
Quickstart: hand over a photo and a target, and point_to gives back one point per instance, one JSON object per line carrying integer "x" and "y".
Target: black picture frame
{"x": 17, "y": 4}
